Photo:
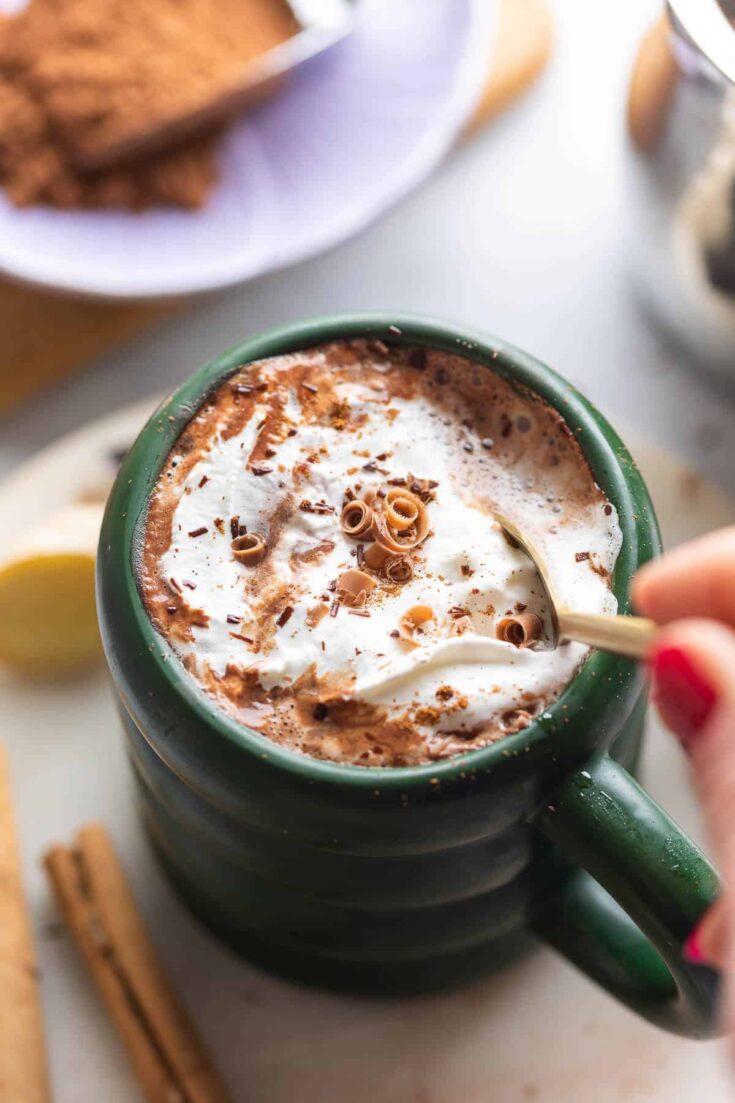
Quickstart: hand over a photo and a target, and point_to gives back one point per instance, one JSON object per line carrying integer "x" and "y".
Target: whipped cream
{"x": 452, "y": 692}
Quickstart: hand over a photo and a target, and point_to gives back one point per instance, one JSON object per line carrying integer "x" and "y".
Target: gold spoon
{"x": 623, "y": 635}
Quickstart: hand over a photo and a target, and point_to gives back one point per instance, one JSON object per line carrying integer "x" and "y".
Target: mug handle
{"x": 623, "y": 917}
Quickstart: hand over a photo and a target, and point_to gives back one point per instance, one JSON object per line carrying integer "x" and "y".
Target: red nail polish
{"x": 692, "y": 950}
{"x": 685, "y": 700}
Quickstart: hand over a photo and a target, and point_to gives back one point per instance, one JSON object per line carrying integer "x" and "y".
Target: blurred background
{"x": 523, "y": 231}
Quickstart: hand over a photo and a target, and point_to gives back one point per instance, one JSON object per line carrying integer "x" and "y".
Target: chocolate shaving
{"x": 249, "y": 548}
{"x": 203, "y": 481}
{"x": 234, "y": 527}
{"x": 460, "y": 626}
{"x": 261, "y": 469}
{"x": 310, "y": 388}
{"x": 401, "y": 511}
{"x": 581, "y": 556}
{"x": 357, "y": 519}
{"x": 412, "y": 620}
{"x": 232, "y": 619}
{"x": 198, "y": 532}
{"x": 189, "y": 585}
{"x": 398, "y": 569}
{"x": 359, "y": 612}
{"x": 353, "y": 586}
{"x": 239, "y": 636}
{"x": 515, "y": 720}
{"x": 334, "y": 607}
{"x": 376, "y": 556}
{"x": 522, "y": 630}
{"x": 316, "y": 614}
{"x": 175, "y": 585}
{"x": 285, "y": 616}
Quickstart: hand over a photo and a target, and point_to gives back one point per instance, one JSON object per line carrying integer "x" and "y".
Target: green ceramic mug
{"x": 395, "y": 880}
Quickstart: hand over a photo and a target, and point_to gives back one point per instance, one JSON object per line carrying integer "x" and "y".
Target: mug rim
{"x": 612, "y": 466}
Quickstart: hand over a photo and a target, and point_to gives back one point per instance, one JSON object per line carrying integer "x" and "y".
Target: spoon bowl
{"x": 623, "y": 635}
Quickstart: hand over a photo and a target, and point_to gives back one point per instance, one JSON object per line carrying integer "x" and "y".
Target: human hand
{"x": 691, "y": 593}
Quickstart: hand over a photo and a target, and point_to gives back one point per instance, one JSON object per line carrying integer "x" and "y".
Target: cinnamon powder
{"x": 75, "y": 74}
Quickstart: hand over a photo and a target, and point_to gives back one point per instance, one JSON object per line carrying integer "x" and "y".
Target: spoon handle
{"x": 631, "y": 636}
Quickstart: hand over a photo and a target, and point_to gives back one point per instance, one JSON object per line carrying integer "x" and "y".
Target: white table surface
{"x": 520, "y": 233}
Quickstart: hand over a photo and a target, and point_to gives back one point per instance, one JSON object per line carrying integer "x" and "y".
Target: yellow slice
{"x": 48, "y": 621}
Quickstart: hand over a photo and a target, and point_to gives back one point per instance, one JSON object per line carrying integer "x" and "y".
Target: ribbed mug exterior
{"x": 382, "y": 879}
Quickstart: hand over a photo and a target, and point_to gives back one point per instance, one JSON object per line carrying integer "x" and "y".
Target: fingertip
{"x": 645, "y": 588}
{"x": 683, "y": 691}
{"x": 693, "y": 951}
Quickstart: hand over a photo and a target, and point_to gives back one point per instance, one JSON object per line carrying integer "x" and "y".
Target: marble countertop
{"x": 521, "y": 233}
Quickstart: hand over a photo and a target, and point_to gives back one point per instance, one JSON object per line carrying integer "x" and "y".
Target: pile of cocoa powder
{"x": 79, "y": 73}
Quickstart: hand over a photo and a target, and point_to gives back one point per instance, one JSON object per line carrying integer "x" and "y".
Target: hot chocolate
{"x": 320, "y": 552}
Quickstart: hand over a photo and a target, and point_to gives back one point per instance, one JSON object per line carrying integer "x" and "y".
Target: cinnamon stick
{"x": 23, "y": 1070}
{"x": 97, "y": 904}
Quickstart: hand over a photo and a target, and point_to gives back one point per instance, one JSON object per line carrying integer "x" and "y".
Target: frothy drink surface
{"x": 321, "y": 554}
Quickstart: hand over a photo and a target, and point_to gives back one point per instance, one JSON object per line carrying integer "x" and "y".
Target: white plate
{"x": 355, "y": 131}
{"x": 538, "y": 1031}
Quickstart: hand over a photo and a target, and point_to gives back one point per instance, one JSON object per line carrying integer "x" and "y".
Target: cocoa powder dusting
{"x": 77, "y": 75}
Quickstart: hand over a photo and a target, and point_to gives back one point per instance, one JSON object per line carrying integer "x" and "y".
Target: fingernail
{"x": 693, "y": 952}
{"x": 684, "y": 698}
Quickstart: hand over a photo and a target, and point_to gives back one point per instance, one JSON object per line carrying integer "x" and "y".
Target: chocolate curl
{"x": 353, "y": 588}
{"x": 376, "y": 556}
{"x": 412, "y": 619}
{"x": 401, "y": 511}
{"x": 417, "y": 529}
{"x": 398, "y": 542}
{"x": 515, "y": 720}
{"x": 356, "y": 519}
{"x": 381, "y": 534}
{"x": 522, "y": 630}
{"x": 249, "y": 548}
{"x": 398, "y": 568}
